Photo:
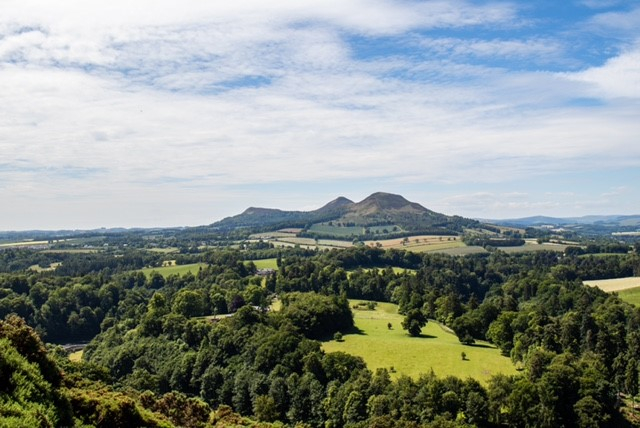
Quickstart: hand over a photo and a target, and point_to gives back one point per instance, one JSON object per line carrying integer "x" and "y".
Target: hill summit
{"x": 378, "y": 209}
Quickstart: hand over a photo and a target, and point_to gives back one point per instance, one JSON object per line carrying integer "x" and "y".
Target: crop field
{"x": 73, "y": 251}
{"x": 311, "y": 243}
{"x": 23, "y": 244}
{"x": 174, "y": 270}
{"x": 168, "y": 250}
{"x": 272, "y": 235}
{"x": 435, "y": 349}
{"x": 463, "y": 251}
{"x": 618, "y": 284}
{"x": 420, "y": 243}
{"x": 534, "y": 246}
{"x": 325, "y": 229}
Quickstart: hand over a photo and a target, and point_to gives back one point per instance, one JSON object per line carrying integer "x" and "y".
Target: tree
{"x": 414, "y": 321}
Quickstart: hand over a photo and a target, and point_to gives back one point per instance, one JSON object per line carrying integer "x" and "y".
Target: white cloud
{"x": 101, "y": 105}
{"x": 619, "y": 77}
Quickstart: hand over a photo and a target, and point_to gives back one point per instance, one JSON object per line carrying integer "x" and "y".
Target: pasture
{"x": 174, "y": 269}
{"x": 436, "y": 349}
{"x": 532, "y": 245}
{"x": 338, "y": 231}
{"x": 266, "y": 263}
{"x": 631, "y": 295}
{"x": 38, "y": 268}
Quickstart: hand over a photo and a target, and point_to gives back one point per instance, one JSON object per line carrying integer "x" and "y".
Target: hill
{"x": 378, "y": 209}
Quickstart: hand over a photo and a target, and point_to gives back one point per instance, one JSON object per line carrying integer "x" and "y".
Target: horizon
{"x": 306, "y": 209}
{"x": 173, "y": 115}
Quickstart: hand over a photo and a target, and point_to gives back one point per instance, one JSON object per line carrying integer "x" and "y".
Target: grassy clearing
{"x": 76, "y": 357}
{"x": 631, "y": 296}
{"x": 174, "y": 270}
{"x": 436, "y": 349}
{"x": 266, "y": 263}
{"x": 38, "y": 268}
{"x": 618, "y": 284}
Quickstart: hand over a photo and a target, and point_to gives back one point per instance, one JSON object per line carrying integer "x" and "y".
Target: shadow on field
{"x": 426, "y": 336}
{"x": 355, "y": 330}
{"x": 481, "y": 345}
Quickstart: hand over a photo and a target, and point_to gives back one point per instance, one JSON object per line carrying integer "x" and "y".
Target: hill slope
{"x": 377, "y": 209}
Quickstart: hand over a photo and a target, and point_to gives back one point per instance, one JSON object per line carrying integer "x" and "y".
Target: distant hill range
{"x": 378, "y": 209}
{"x": 614, "y": 221}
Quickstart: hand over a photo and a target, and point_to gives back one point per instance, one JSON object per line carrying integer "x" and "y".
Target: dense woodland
{"x": 155, "y": 360}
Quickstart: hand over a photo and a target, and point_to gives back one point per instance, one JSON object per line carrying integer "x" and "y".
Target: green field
{"x": 631, "y": 295}
{"x": 174, "y": 270}
{"x": 436, "y": 349}
{"x": 266, "y": 263}
{"x": 325, "y": 229}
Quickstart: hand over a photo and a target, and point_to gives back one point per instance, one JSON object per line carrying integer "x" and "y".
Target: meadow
{"x": 174, "y": 269}
{"x": 631, "y": 296}
{"x": 436, "y": 349}
{"x": 266, "y": 263}
{"x": 339, "y": 231}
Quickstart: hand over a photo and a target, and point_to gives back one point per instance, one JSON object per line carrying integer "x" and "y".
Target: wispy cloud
{"x": 138, "y": 100}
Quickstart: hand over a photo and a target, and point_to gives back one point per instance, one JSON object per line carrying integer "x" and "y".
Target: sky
{"x": 159, "y": 113}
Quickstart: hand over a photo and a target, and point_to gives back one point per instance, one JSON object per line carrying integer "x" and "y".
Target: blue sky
{"x": 163, "y": 113}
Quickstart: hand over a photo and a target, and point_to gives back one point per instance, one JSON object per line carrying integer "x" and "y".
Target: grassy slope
{"x": 266, "y": 263}
{"x": 436, "y": 349}
{"x": 173, "y": 270}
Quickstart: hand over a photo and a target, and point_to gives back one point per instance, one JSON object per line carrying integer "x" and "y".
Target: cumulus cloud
{"x": 136, "y": 101}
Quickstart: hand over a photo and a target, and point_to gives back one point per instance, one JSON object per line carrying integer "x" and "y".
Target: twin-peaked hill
{"x": 379, "y": 209}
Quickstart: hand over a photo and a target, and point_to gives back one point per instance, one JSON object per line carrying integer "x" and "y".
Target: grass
{"x": 266, "y": 263}
{"x": 631, "y": 296}
{"x": 463, "y": 251}
{"x": 343, "y": 231}
{"x": 38, "y": 268}
{"x": 435, "y": 349}
{"x": 174, "y": 270}
{"x": 76, "y": 357}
